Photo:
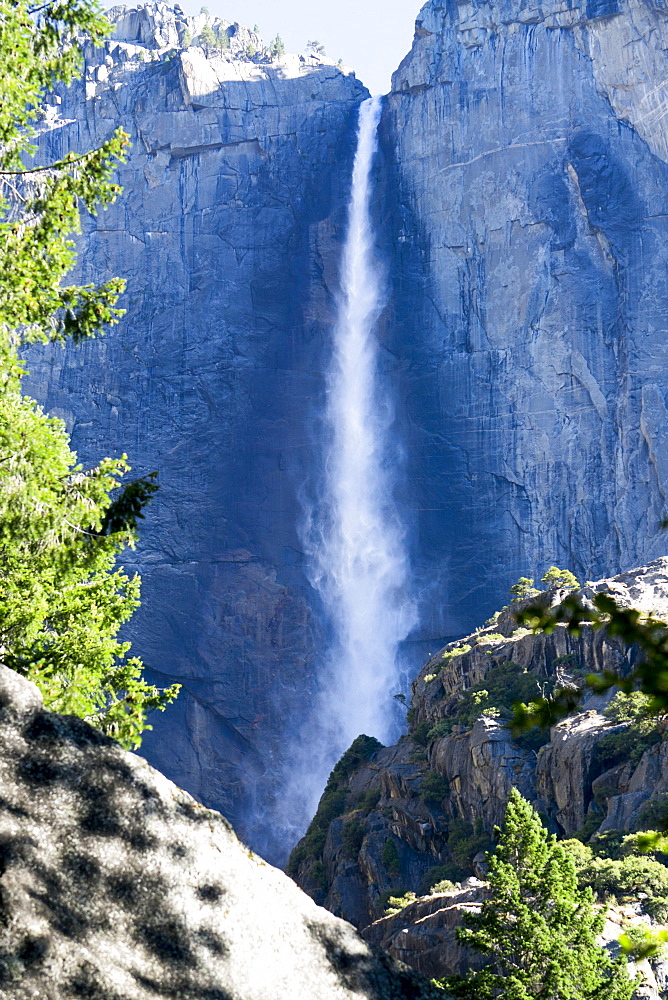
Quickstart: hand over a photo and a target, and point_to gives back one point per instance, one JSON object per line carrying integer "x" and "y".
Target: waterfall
{"x": 358, "y": 558}
{"x": 353, "y": 535}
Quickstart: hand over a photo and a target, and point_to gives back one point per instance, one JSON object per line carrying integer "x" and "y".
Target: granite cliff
{"x": 521, "y": 210}
{"x": 228, "y": 234}
{"x": 526, "y": 149}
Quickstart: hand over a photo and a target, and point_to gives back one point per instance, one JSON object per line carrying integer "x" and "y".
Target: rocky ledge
{"x": 402, "y": 818}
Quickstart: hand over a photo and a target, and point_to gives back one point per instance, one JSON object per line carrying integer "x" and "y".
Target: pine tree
{"x": 277, "y": 48}
{"x": 63, "y": 599}
{"x": 536, "y": 927}
{"x": 207, "y": 37}
{"x": 222, "y": 38}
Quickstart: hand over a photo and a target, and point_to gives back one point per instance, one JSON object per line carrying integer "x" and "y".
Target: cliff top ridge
{"x": 160, "y": 26}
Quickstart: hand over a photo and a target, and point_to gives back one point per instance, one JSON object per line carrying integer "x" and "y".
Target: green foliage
{"x": 505, "y": 684}
{"x": 562, "y": 578}
{"x": 537, "y": 928}
{"x": 650, "y": 675}
{"x": 435, "y": 876}
{"x": 186, "y": 38}
{"x": 490, "y": 637}
{"x": 390, "y": 857}
{"x": 437, "y": 879}
{"x": 369, "y": 800}
{"x": 39, "y": 206}
{"x": 395, "y": 904}
{"x": 465, "y": 840}
{"x": 222, "y": 38}
{"x": 38, "y": 46}
{"x": 434, "y": 789}
{"x": 207, "y": 38}
{"x": 634, "y": 707}
{"x": 450, "y": 654}
{"x": 318, "y": 874}
{"x": 277, "y": 48}
{"x": 445, "y": 885}
{"x": 62, "y": 597}
{"x": 420, "y": 734}
{"x": 352, "y": 835}
{"x": 580, "y": 854}
{"x": 333, "y": 803}
{"x": 250, "y": 50}
{"x": 442, "y": 728}
{"x": 589, "y": 828}
{"x": 523, "y": 588}
{"x": 628, "y": 877}
{"x": 360, "y": 750}
{"x": 655, "y": 814}
{"x": 639, "y": 942}
{"x": 629, "y": 744}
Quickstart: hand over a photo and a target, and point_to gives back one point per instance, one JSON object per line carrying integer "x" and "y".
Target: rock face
{"x": 526, "y": 155}
{"x": 424, "y": 935}
{"x": 116, "y": 884}
{"x": 521, "y": 209}
{"x": 425, "y": 931}
{"x": 441, "y": 790}
{"x": 228, "y": 234}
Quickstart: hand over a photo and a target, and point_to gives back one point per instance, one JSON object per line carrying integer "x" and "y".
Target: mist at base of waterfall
{"x": 352, "y": 533}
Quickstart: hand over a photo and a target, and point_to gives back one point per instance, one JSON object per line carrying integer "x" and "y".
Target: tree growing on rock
{"x": 537, "y": 928}
{"x": 523, "y": 588}
{"x": 222, "y": 38}
{"x": 563, "y": 578}
{"x": 207, "y": 38}
{"x": 277, "y": 48}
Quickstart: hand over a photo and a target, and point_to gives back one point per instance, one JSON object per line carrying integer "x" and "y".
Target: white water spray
{"x": 359, "y": 562}
{"x": 353, "y": 536}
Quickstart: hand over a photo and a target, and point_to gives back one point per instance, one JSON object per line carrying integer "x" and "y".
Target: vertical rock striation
{"x": 523, "y": 201}
{"x": 228, "y": 234}
{"x": 526, "y": 147}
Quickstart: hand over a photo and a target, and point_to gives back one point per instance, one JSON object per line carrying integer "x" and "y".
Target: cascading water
{"x": 353, "y": 535}
{"x": 359, "y": 560}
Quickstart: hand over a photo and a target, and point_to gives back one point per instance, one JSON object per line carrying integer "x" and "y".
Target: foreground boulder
{"x": 117, "y": 885}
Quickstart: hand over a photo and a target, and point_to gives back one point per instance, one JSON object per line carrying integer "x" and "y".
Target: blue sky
{"x": 371, "y": 36}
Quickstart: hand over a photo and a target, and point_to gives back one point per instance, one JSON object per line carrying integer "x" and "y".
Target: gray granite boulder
{"x": 117, "y": 885}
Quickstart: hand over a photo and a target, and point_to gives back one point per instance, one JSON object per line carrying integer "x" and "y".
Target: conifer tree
{"x": 63, "y": 599}
{"x": 222, "y": 38}
{"x": 207, "y": 37}
{"x": 277, "y": 48}
{"x": 536, "y": 927}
